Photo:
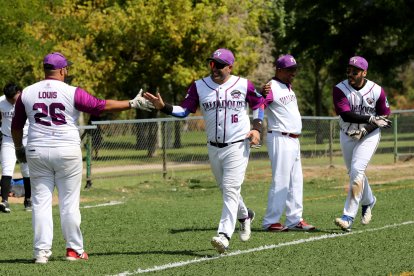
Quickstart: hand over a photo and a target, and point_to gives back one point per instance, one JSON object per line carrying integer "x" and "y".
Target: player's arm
{"x": 189, "y": 105}
{"x": 17, "y": 125}
{"x": 257, "y": 103}
{"x": 169, "y": 109}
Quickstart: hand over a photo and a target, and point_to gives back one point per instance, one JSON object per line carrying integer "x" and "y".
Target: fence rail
{"x": 155, "y": 145}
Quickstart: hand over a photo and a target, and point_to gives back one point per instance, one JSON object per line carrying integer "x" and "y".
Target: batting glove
{"x": 357, "y": 134}
{"x": 139, "y": 102}
{"x": 21, "y": 154}
{"x": 380, "y": 121}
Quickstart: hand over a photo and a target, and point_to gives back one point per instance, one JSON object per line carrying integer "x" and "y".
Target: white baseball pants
{"x": 8, "y": 157}
{"x": 357, "y": 155}
{"x": 286, "y": 188}
{"x": 229, "y": 167}
{"x": 60, "y": 167}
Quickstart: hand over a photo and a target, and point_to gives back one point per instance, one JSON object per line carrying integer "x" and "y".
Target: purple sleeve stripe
{"x": 191, "y": 101}
{"x": 85, "y": 102}
{"x": 254, "y": 99}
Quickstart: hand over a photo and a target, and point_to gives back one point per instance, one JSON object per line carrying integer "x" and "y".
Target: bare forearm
{"x": 116, "y": 106}
{"x": 17, "y": 135}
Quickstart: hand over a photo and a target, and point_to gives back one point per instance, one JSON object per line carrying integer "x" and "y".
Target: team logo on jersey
{"x": 235, "y": 94}
{"x": 370, "y": 101}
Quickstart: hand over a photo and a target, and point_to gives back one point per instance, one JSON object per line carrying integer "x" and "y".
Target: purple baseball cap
{"x": 359, "y": 62}
{"x": 286, "y": 61}
{"x": 54, "y": 61}
{"x": 223, "y": 56}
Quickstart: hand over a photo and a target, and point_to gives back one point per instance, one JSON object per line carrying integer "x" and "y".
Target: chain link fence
{"x": 125, "y": 147}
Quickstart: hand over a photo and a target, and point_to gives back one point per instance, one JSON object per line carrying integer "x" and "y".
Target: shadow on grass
{"x": 17, "y": 261}
{"x": 199, "y": 253}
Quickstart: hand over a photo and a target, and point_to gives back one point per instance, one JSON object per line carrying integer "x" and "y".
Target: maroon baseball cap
{"x": 54, "y": 61}
{"x": 286, "y": 61}
{"x": 223, "y": 56}
{"x": 359, "y": 62}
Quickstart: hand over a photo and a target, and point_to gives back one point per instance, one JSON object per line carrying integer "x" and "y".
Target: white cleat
{"x": 245, "y": 226}
{"x": 367, "y": 212}
{"x": 220, "y": 243}
{"x": 43, "y": 256}
{"x": 245, "y": 230}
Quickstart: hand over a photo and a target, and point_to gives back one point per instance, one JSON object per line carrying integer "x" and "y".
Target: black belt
{"x": 286, "y": 133}
{"x": 223, "y": 145}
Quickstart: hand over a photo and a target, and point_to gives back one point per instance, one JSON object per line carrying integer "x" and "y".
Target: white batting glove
{"x": 380, "y": 121}
{"x": 139, "y": 102}
{"x": 357, "y": 134}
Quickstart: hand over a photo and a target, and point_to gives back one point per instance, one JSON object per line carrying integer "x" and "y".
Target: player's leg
{"x": 234, "y": 160}
{"x": 24, "y": 168}
{"x": 42, "y": 186}
{"x": 68, "y": 178}
{"x": 281, "y": 160}
{"x": 8, "y": 162}
{"x": 294, "y": 203}
{"x": 362, "y": 154}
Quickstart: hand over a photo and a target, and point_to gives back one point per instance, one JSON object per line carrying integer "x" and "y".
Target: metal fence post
{"x": 395, "y": 130}
{"x": 331, "y": 130}
{"x": 164, "y": 149}
{"x": 88, "y": 146}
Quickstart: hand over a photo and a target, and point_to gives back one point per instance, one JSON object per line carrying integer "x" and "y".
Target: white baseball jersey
{"x": 283, "y": 113}
{"x": 53, "y": 109}
{"x": 7, "y": 114}
{"x": 224, "y": 107}
{"x": 369, "y": 100}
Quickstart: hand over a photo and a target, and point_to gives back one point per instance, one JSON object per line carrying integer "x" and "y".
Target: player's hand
{"x": 254, "y": 137}
{"x": 157, "y": 101}
{"x": 21, "y": 154}
{"x": 266, "y": 89}
{"x": 357, "y": 134}
{"x": 139, "y": 102}
{"x": 380, "y": 121}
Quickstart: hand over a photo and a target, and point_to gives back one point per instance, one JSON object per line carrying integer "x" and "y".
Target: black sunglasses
{"x": 353, "y": 72}
{"x": 218, "y": 65}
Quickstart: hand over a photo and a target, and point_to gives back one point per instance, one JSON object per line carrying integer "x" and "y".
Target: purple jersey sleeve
{"x": 20, "y": 116}
{"x": 85, "y": 102}
{"x": 191, "y": 101}
{"x": 254, "y": 99}
{"x": 381, "y": 106}
{"x": 340, "y": 101}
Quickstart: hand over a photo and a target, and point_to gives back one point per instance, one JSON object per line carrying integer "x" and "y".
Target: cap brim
{"x": 69, "y": 63}
{"x": 218, "y": 60}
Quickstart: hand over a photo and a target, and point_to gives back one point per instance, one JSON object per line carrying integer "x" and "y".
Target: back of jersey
{"x": 50, "y": 109}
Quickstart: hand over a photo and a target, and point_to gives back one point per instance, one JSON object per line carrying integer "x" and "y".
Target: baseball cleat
{"x": 302, "y": 226}
{"x": 277, "y": 227}
{"x": 367, "y": 212}
{"x": 72, "y": 255}
{"x": 42, "y": 257}
{"x": 245, "y": 226}
{"x": 28, "y": 205}
{"x": 220, "y": 243}
{"x": 4, "y": 207}
{"x": 345, "y": 222}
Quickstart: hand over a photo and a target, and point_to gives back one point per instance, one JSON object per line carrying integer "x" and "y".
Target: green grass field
{"x": 164, "y": 227}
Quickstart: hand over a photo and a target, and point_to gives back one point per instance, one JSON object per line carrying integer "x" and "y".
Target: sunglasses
{"x": 217, "y": 65}
{"x": 352, "y": 72}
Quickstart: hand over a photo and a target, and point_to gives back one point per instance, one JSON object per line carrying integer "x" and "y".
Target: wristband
{"x": 167, "y": 109}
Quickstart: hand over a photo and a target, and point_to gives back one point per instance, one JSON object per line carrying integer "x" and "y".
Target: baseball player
{"x": 223, "y": 99}
{"x": 53, "y": 151}
{"x": 363, "y": 109}
{"x": 284, "y": 128}
{"x": 8, "y": 157}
